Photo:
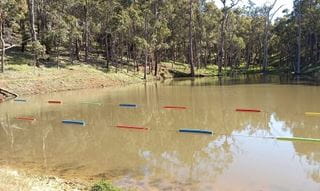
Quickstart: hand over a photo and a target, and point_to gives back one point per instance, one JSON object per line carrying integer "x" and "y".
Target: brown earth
{"x": 44, "y": 80}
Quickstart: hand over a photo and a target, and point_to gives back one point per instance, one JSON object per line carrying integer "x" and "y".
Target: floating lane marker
{"x": 91, "y": 103}
{"x": 312, "y": 114}
{"x": 174, "y": 107}
{"x": 76, "y": 122}
{"x": 127, "y": 105}
{"x": 25, "y": 118}
{"x": 55, "y": 102}
{"x": 131, "y": 127}
{"x": 195, "y": 131}
{"x": 248, "y": 110}
{"x": 20, "y": 100}
{"x": 297, "y": 139}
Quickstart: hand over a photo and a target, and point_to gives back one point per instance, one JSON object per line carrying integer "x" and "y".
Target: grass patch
{"x": 179, "y": 69}
{"x": 104, "y": 186}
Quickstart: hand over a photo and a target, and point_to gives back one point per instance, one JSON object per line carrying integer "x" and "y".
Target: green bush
{"x": 38, "y": 48}
{"x": 104, "y": 186}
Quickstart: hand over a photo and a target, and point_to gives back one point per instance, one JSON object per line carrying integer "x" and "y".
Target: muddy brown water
{"x": 236, "y": 157}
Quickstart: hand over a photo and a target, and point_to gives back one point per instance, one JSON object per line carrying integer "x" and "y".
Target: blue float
{"x": 20, "y": 100}
{"x": 128, "y": 105}
{"x": 195, "y": 131}
{"x": 76, "y": 122}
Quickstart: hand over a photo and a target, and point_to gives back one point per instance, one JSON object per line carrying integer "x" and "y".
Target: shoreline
{"x": 18, "y": 179}
{"x": 43, "y": 80}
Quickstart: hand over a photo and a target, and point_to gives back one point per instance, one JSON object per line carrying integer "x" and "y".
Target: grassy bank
{"x": 23, "y": 78}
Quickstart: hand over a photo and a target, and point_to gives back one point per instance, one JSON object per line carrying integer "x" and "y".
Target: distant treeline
{"x": 147, "y": 32}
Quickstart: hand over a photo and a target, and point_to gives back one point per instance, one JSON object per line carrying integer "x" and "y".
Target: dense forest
{"x": 149, "y": 32}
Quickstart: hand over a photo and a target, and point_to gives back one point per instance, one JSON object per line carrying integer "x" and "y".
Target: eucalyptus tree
{"x": 253, "y": 34}
{"x": 159, "y": 32}
{"x": 191, "y": 39}
{"x": 211, "y": 32}
{"x": 11, "y": 12}
{"x": 37, "y": 48}
{"x": 225, "y": 13}
{"x": 298, "y": 11}
{"x": 3, "y": 44}
{"x": 108, "y": 12}
{"x": 268, "y": 15}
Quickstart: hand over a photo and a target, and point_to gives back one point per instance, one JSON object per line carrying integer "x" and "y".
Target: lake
{"x": 242, "y": 153}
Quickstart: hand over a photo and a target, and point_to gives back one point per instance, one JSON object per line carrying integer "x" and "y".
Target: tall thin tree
{"x": 2, "y": 40}
{"x": 32, "y": 27}
{"x": 268, "y": 19}
{"x": 86, "y": 30}
{"x": 225, "y": 13}
{"x": 298, "y": 64}
{"x": 191, "y": 39}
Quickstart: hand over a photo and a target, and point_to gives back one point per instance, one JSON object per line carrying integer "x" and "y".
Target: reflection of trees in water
{"x": 191, "y": 164}
{"x": 8, "y": 133}
{"x": 230, "y": 80}
{"x": 308, "y": 152}
{"x": 36, "y": 144}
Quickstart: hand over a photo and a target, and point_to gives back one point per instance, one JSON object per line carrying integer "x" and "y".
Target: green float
{"x": 91, "y": 103}
{"x": 297, "y": 139}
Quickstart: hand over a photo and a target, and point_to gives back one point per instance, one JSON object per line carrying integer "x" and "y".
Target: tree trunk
{"x": 86, "y": 31}
{"x": 107, "y": 55}
{"x": 2, "y": 44}
{"x": 174, "y": 55}
{"x": 155, "y": 63}
{"x": 266, "y": 43}
{"x": 138, "y": 54}
{"x": 32, "y": 27}
{"x": 32, "y": 20}
{"x": 221, "y": 55}
{"x": 145, "y": 51}
{"x": 77, "y": 51}
{"x": 190, "y": 41}
{"x": 299, "y": 40}
{"x": 128, "y": 57}
{"x": 71, "y": 50}
{"x": 145, "y": 66}
{"x": 268, "y": 19}
{"x": 23, "y": 34}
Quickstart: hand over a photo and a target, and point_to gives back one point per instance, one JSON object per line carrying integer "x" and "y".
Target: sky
{"x": 287, "y": 4}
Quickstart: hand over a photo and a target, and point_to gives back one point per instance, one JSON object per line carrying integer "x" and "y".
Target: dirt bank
{"x": 29, "y": 80}
{"x": 11, "y": 179}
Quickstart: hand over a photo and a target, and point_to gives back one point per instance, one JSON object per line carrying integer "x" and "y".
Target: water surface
{"x": 236, "y": 157}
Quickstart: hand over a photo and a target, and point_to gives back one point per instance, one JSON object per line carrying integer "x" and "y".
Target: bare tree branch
{"x": 274, "y": 13}
{"x": 15, "y": 45}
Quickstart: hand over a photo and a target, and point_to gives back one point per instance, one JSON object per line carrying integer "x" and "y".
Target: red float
{"x": 131, "y": 127}
{"x": 26, "y": 118}
{"x": 55, "y": 102}
{"x": 248, "y": 110}
{"x": 174, "y": 107}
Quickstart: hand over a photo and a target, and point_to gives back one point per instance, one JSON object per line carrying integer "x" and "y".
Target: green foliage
{"x": 38, "y": 49}
{"x": 104, "y": 186}
{"x": 141, "y": 43}
{"x": 130, "y": 29}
